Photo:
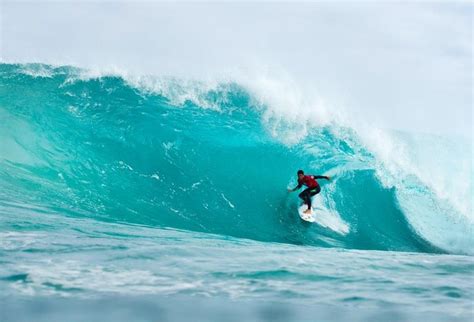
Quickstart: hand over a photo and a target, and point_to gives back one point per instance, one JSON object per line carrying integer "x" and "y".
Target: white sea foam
{"x": 59, "y": 277}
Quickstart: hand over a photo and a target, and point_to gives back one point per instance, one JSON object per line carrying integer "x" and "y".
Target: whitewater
{"x": 168, "y": 195}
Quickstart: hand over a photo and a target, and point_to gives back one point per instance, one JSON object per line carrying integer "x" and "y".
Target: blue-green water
{"x": 171, "y": 198}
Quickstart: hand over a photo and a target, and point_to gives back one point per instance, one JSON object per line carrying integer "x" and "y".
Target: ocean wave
{"x": 216, "y": 156}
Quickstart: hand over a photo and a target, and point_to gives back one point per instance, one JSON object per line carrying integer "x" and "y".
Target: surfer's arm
{"x": 322, "y": 177}
{"x": 296, "y": 188}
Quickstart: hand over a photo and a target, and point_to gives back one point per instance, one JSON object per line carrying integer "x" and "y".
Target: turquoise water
{"x": 172, "y": 197}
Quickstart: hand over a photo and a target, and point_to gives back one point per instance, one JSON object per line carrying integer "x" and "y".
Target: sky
{"x": 402, "y": 65}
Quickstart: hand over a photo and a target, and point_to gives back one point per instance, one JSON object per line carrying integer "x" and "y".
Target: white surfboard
{"x": 324, "y": 218}
{"x": 306, "y": 217}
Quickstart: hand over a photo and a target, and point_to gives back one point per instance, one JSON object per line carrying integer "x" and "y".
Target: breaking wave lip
{"x": 234, "y": 119}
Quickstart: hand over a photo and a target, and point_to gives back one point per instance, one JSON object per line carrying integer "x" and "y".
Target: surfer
{"x": 312, "y": 189}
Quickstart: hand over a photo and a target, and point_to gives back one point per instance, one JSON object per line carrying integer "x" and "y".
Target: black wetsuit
{"x": 312, "y": 190}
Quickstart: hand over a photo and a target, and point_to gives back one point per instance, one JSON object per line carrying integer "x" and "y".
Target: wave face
{"x": 197, "y": 157}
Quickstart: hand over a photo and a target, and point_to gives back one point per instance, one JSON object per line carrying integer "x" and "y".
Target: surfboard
{"x": 306, "y": 217}
{"x": 325, "y": 218}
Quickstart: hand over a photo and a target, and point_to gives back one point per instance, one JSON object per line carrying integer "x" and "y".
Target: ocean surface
{"x": 151, "y": 198}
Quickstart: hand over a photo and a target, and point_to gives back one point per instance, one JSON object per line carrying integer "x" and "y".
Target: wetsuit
{"x": 313, "y": 187}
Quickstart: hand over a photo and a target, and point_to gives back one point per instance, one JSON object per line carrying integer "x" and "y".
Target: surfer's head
{"x": 300, "y": 174}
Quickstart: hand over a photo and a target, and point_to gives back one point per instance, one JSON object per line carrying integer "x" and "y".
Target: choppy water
{"x": 162, "y": 194}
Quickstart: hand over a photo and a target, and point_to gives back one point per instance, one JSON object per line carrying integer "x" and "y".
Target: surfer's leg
{"x": 302, "y": 195}
{"x": 306, "y": 196}
{"x": 315, "y": 191}
{"x": 311, "y": 193}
